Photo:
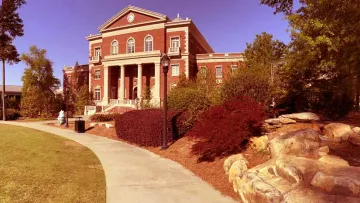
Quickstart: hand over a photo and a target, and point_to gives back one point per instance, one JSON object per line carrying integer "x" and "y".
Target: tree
{"x": 259, "y": 79}
{"x": 83, "y": 98}
{"x": 323, "y": 66}
{"x": 38, "y": 79}
{"x": 11, "y": 26}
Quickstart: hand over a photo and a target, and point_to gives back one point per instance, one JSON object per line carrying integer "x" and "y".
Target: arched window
{"x": 148, "y": 43}
{"x": 114, "y": 47}
{"x": 131, "y": 45}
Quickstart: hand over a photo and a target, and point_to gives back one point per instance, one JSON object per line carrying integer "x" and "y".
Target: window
{"x": 233, "y": 68}
{"x": 97, "y": 94}
{"x": 148, "y": 43}
{"x": 97, "y": 52}
{"x": 97, "y": 74}
{"x": 174, "y": 70}
{"x": 69, "y": 79}
{"x": 219, "y": 72}
{"x": 131, "y": 46}
{"x": 175, "y": 42}
{"x": 114, "y": 47}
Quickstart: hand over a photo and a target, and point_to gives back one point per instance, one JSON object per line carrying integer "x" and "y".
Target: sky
{"x": 60, "y": 26}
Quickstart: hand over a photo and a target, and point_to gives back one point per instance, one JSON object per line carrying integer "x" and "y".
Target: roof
{"x": 135, "y": 9}
{"x": 11, "y": 88}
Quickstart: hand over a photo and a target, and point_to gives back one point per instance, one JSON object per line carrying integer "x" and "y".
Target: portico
{"x": 127, "y": 79}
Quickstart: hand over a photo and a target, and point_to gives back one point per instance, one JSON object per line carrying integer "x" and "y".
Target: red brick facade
{"x": 122, "y": 47}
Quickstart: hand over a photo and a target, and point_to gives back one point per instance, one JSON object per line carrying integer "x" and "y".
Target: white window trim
{"x": 98, "y": 47}
{"x": 152, "y": 43}
{"x": 99, "y": 88}
{"x": 127, "y": 45}
{"x": 173, "y": 37}
{"x": 111, "y": 47}
{"x": 99, "y": 74}
{"x": 175, "y": 64}
{"x": 232, "y": 69}
{"x": 216, "y": 67}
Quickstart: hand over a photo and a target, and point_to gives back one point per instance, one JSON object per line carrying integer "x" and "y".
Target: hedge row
{"x": 145, "y": 127}
{"x": 103, "y": 117}
{"x": 225, "y": 129}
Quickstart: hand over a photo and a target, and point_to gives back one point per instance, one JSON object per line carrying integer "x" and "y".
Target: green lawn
{"x": 38, "y": 167}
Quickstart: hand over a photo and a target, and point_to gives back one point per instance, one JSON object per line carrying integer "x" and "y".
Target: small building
{"x": 12, "y": 91}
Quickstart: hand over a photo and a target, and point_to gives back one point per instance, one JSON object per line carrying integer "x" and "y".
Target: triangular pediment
{"x": 132, "y": 15}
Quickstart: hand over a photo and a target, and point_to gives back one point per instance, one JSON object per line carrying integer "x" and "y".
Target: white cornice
{"x": 93, "y": 37}
{"x": 134, "y": 9}
{"x": 134, "y": 29}
{"x": 184, "y": 22}
{"x": 132, "y": 25}
{"x": 136, "y": 55}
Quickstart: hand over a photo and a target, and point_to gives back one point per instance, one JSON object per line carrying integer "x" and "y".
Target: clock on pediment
{"x": 130, "y": 17}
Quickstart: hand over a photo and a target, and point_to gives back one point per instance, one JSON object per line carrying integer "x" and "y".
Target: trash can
{"x": 80, "y": 125}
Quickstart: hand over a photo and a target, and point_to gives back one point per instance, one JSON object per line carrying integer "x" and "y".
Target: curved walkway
{"x": 135, "y": 175}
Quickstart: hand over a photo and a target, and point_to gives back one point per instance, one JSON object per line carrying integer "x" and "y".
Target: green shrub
{"x": 251, "y": 82}
{"x": 103, "y": 117}
{"x": 11, "y": 114}
{"x": 190, "y": 99}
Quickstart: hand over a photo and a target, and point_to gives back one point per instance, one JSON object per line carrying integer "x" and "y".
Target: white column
{"x": 106, "y": 86}
{"x": 122, "y": 83}
{"x": 90, "y": 78}
{"x": 139, "y": 82}
{"x": 157, "y": 83}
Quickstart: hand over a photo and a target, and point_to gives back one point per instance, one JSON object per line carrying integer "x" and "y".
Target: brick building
{"x": 77, "y": 74}
{"x": 124, "y": 58}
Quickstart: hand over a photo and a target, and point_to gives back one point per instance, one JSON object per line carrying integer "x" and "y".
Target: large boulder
{"x": 331, "y": 159}
{"x": 305, "y": 116}
{"x": 338, "y": 183}
{"x": 237, "y": 169}
{"x": 302, "y": 195}
{"x": 337, "y": 131}
{"x": 259, "y": 144}
{"x": 354, "y": 138}
{"x": 253, "y": 189}
{"x": 356, "y": 130}
{"x": 300, "y": 143}
{"x": 277, "y": 121}
{"x": 230, "y": 160}
{"x": 323, "y": 151}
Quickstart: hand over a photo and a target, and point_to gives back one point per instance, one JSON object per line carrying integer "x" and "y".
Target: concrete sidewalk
{"x": 135, "y": 175}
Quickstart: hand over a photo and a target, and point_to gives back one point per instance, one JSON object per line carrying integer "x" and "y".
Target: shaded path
{"x": 135, "y": 175}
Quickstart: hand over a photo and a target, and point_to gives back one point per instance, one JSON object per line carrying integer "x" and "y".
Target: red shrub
{"x": 145, "y": 127}
{"x": 103, "y": 117}
{"x": 224, "y": 130}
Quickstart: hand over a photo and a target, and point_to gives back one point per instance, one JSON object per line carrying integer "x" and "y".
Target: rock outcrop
{"x": 354, "y": 138}
{"x": 300, "y": 143}
{"x": 337, "y": 131}
{"x": 300, "y": 170}
{"x": 304, "y": 116}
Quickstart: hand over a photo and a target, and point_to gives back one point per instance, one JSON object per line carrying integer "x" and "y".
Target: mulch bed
{"x": 213, "y": 172}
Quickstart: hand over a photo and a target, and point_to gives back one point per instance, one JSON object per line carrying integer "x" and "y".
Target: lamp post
{"x": 165, "y": 61}
{"x": 67, "y": 107}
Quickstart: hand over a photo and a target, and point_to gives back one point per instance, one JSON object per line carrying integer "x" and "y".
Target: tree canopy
{"x": 323, "y": 65}
{"x": 259, "y": 79}
{"x": 39, "y": 82}
{"x": 11, "y": 26}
